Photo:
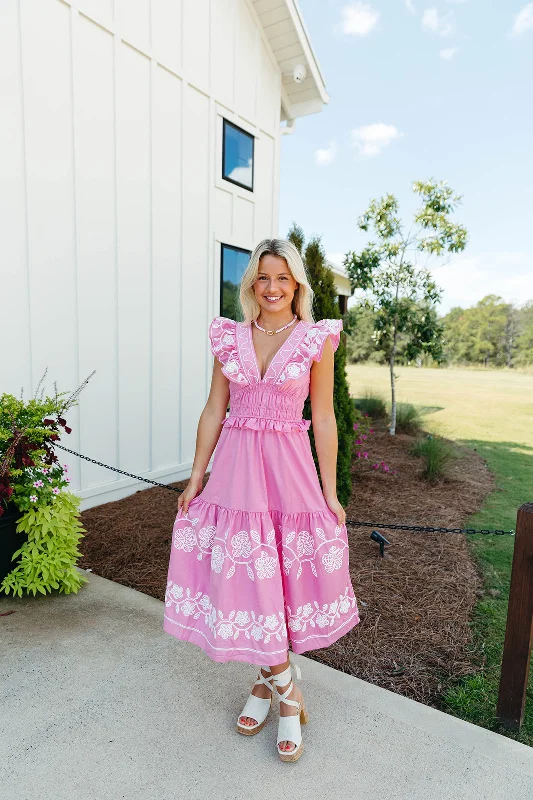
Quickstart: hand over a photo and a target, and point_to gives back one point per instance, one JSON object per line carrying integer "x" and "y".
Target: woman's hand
{"x": 335, "y": 506}
{"x": 193, "y": 487}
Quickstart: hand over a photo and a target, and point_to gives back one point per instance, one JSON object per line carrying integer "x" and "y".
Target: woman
{"x": 259, "y": 558}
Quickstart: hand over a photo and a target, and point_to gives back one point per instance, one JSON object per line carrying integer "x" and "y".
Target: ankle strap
{"x": 286, "y": 676}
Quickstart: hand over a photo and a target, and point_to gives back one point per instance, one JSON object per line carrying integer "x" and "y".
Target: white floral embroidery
{"x": 265, "y": 566}
{"x": 231, "y": 627}
{"x": 217, "y": 558}
{"x": 206, "y": 537}
{"x": 333, "y": 559}
{"x": 184, "y": 539}
{"x": 224, "y": 347}
{"x": 245, "y": 549}
{"x": 293, "y": 370}
{"x": 271, "y": 622}
{"x": 306, "y": 551}
{"x": 232, "y": 367}
{"x": 310, "y": 346}
{"x": 240, "y": 544}
{"x": 305, "y": 544}
{"x": 323, "y": 616}
{"x": 240, "y": 553}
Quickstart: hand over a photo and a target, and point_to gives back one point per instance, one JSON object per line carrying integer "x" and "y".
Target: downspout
{"x": 289, "y": 127}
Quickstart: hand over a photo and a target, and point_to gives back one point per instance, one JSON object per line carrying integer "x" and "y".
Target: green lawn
{"x": 492, "y": 412}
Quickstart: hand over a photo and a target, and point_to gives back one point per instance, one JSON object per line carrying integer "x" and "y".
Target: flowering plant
{"x": 363, "y": 431}
{"x": 30, "y": 472}
{"x": 33, "y": 480}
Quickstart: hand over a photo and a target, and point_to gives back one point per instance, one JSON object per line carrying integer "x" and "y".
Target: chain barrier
{"x": 387, "y": 526}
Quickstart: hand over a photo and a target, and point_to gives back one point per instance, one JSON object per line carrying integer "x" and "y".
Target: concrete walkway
{"x": 99, "y": 702}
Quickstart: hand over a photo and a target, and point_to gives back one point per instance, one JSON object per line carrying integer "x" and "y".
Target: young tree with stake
{"x": 401, "y": 293}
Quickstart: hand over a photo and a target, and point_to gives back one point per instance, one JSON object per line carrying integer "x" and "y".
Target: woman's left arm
{"x": 325, "y": 427}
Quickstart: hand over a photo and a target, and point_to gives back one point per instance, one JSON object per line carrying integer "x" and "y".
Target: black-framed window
{"x": 233, "y": 262}
{"x": 237, "y": 156}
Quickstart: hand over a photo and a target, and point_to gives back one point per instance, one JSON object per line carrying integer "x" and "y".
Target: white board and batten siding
{"x": 114, "y": 210}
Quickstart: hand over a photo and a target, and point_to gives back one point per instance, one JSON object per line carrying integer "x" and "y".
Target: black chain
{"x": 391, "y": 526}
{"x": 427, "y": 528}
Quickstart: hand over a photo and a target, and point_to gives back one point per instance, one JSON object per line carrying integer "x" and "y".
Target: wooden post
{"x": 519, "y": 630}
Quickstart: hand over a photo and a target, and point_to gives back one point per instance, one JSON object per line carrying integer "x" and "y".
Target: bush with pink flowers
{"x": 34, "y": 489}
{"x": 363, "y": 436}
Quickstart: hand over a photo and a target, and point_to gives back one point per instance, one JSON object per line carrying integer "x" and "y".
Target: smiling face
{"x": 274, "y": 286}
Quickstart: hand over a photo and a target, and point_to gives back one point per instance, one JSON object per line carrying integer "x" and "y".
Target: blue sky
{"x": 418, "y": 90}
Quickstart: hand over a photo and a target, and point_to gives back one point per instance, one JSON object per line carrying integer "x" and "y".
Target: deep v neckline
{"x": 254, "y": 354}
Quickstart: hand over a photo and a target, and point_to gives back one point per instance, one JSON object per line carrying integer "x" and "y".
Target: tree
{"x": 525, "y": 337}
{"x": 325, "y": 307}
{"x": 402, "y": 294}
{"x": 483, "y": 334}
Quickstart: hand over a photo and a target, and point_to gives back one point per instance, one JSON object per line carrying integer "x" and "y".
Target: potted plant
{"x": 40, "y": 525}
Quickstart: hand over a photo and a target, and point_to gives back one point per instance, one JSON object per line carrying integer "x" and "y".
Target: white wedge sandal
{"x": 256, "y": 707}
{"x": 289, "y": 727}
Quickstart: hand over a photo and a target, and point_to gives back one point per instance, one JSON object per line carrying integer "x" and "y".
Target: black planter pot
{"x": 10, "y": 540}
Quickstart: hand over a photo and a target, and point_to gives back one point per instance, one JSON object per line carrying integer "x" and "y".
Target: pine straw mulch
{"x": 415, "y": 604}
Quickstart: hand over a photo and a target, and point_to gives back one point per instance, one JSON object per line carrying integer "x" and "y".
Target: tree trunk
{"x": 393, "y": 398}
{"x": 392, "y": 358}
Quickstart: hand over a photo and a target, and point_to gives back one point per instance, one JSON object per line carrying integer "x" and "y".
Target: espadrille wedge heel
{"x": 256, "y": 707}
{"x": 289, "y": 727}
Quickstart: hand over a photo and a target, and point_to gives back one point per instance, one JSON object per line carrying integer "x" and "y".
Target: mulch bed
{"x": 415, "y": 604}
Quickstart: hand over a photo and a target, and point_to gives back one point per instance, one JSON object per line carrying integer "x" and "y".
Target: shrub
{"x": 408, "y": 418}
{"x": 49, "y": 555}
{"x": 372, "y": 404}
{"x": 436, "y": 453}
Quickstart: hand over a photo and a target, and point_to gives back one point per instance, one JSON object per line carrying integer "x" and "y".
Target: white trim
{"x": 322, "y": 635}
{"x": 225, "y": 649}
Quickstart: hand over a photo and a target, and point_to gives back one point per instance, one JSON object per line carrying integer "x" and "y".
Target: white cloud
{"x": 448, "y": 53}
{"x": 523, "y": 20}
{"x": 433, "y": 22}
{"x": 409, "y": 6}
{"x": 371, "y": 139}
{"x": 359, "y": 19}
{"x": 467, "y": 279}
{"x": 325, "y": 156}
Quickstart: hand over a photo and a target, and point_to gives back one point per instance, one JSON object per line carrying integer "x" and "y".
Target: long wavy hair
{"x": 302, "y": 302}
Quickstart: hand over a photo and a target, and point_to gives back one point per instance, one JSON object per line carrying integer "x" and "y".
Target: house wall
{"x": 113, "y": 210}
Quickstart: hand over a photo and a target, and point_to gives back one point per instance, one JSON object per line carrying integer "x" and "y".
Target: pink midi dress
{"x": 259, "y": 563}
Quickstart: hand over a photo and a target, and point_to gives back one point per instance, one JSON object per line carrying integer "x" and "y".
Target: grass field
{"x": 492, "y": 412}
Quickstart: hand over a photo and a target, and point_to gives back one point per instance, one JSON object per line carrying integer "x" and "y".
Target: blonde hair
{"x": 302, "y": 302}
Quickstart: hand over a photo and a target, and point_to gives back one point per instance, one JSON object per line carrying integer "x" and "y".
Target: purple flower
{"x": 358, "y": 441}
{"x": 364, "y": 436}
{"x": 355, "y": 426}
{"x": 365, "y": 455}
{"x": 33, "y": 498}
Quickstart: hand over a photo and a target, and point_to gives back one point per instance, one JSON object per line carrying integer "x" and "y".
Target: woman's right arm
{"x": 209, "y": 429}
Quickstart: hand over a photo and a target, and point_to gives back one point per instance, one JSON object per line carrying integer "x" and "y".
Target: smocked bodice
{"x": 274, "y": 402}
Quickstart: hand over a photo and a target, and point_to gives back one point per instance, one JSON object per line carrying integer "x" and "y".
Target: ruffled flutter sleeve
{"x": 321, "y": 330}
{"x": 222, "y": 338}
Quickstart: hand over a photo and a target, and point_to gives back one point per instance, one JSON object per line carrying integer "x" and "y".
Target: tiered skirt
{"x": 259, "y": 564}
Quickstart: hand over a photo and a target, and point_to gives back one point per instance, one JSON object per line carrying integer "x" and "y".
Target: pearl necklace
{"x": 271, "y": 333}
